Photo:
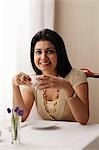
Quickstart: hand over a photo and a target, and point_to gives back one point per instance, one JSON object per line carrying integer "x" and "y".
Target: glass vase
{"x": 15, "y": 129}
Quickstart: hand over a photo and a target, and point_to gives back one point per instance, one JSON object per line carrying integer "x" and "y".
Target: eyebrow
{"x": 46, "y": 48}
{"x": 37, "y": 49}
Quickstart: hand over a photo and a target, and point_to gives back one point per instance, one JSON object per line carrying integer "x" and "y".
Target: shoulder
{"x": 77, "y": 72}
{"x": 76, "y": 77}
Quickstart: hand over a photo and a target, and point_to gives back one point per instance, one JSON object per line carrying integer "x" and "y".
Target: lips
{"x": 45, "y": 64}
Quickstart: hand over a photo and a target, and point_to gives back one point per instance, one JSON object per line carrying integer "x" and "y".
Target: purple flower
{"x": 20, "y": 112}
{"x": 8, "y": 110}
{"x": 17, "y": 110}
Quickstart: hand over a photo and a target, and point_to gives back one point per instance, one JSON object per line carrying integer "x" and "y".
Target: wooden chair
{"x": 90, "y": 73}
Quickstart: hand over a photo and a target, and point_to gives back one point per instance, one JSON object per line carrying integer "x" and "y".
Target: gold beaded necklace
{"x": 54, "y": 105}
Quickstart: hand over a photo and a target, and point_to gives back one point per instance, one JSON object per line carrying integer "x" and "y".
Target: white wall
{"x": 14, "y": 45}
{"x": 19, "y": 21}
{"x": 78, "y": 23}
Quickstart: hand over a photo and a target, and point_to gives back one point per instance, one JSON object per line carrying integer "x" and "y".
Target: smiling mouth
{"x": 45, "y": 64}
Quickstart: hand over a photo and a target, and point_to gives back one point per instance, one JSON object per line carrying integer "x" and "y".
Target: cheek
{"x": 54, "y": 60}
{"x": 36, "y": 59}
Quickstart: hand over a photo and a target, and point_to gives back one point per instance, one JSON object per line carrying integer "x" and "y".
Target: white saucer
{"x": 42, "y": 124}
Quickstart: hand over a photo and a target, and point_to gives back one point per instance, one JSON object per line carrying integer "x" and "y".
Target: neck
{"x": 54, "y": 73}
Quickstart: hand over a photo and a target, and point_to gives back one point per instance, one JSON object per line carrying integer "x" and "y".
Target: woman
{"x": 61, "y": 91}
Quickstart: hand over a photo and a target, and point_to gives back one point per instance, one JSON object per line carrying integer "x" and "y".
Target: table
{"x": 65, "y": 136}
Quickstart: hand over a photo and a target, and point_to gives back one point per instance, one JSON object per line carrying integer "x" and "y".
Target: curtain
{"x": 19, "y": 21}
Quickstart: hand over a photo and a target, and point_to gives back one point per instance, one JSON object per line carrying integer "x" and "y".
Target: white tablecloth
{"x": 66, "y": 136}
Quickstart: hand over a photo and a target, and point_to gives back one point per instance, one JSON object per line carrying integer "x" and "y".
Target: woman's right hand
{"x": 21, "y": 79}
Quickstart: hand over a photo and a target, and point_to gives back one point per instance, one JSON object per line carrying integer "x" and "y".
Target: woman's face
{"x": 45, "y": 57}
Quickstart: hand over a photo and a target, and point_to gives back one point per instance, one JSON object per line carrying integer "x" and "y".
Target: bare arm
{"x": 89, "y": 73}
{"x": 22, "y": 98}
{"x": 79, "y": 104}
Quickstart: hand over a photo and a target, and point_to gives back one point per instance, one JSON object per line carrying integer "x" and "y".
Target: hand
{"x": 90, "y": 73}
{"x": 21, "y": 79}
{"x": 49, "y": 81}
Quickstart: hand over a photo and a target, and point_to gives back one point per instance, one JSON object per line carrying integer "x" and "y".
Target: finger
{"x": 23, "y": 78}
{"x": 42, "y": 87}
{"x": 42, "y": 77}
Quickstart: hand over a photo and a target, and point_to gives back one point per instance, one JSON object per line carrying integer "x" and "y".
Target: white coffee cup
{"x": 33, "y": 80}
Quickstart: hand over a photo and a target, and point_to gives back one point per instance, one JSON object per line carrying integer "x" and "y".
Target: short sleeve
{"x": 76, "y": 77}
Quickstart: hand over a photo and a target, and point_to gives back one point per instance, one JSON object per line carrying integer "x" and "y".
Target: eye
{"x": 50, "y": 51}
{"x": 37, "y": 52}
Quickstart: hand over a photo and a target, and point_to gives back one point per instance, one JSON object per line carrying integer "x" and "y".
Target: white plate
{"x": 42, "y": 124}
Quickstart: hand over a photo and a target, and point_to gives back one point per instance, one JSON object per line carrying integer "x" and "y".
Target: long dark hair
{"x": 63, "y": 65}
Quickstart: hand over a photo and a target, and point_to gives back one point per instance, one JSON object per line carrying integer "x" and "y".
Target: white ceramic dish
{"x": 42, "y": 124}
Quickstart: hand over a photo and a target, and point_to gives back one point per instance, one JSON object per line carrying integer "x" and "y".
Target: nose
{"x": 43, "y": 56}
